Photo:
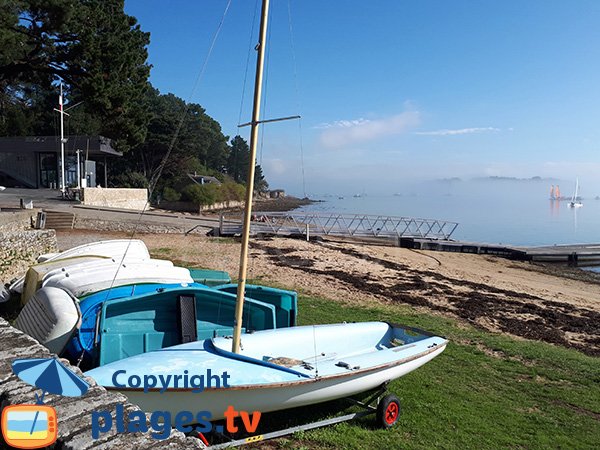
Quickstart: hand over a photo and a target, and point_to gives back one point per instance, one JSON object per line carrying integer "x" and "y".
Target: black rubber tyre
{"x": 388, "y": 411}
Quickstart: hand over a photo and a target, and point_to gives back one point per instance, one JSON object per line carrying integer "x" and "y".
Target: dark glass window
{"x": 48, "y": 170}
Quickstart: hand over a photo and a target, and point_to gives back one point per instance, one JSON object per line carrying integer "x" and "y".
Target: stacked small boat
{"x": 105, "y": 301}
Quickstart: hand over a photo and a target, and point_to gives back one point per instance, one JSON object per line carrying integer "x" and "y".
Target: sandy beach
{"x": 554, "y": 304}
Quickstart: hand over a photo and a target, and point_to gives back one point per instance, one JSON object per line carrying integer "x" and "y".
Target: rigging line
{"x": 156, "y": 176}
{"x": 247, "y": 62}
{"x": 299, "y": 106}
{"x": 315, "y": 349}
{"x": 265, "y": 94}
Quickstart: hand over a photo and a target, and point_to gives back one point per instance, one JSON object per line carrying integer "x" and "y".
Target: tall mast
{"x": 239, "y": 307}
{"x": 62, "y": 140}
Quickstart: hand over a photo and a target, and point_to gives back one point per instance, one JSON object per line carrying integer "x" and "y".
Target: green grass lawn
{"x": 485, "y": 391}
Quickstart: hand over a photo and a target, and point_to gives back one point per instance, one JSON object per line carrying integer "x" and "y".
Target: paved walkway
{"x": 50, "y": 199}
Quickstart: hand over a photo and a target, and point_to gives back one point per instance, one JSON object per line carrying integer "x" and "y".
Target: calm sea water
{"x": 515, "y": 213}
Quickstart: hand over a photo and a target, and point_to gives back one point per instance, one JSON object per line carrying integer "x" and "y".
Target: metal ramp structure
{"x": 339, "y": 225}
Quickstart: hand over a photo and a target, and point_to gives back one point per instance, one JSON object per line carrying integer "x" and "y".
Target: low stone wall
{"x": 116, "y": 198}
{"x": 73, "y": 413}
{"x": 193, "y": 207}
{"x": 133, "y": 227}
{"x": 224, "y": 205}
{"x": 17, "y": 220}
{"x": 20, "y": 245}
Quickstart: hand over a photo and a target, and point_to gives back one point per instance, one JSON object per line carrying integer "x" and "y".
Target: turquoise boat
{"x": 285, "y": 302}
{"x": 209, "y": 277}
{"x": 134, "y": 325}
{"x": 136, "y": 319}
{"x": 121, "y": 322}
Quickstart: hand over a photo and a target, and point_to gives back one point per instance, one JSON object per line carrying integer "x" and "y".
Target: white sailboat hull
{"x": 276, "y": 369}
{"x": 310, "y": 392}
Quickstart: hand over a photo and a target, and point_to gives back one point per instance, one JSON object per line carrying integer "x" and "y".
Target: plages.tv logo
{"x": 161, "y": 422}
{"x": 36, "y": 425}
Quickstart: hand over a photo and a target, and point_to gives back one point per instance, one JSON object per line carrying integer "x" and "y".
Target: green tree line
{"x": 100, "y": 54}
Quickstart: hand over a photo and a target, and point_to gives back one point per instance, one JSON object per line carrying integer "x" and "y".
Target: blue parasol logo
{"x": 49, "y": 375}
{"x": 35, "y": 426}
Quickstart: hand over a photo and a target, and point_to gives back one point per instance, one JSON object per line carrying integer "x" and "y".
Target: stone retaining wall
{"x": 193, "y": 207}
{"x": 116, "y": 198}
{"x": 74, "y": 413}
{"x": 17, "y": 220}
{"x": 20, "y": 245}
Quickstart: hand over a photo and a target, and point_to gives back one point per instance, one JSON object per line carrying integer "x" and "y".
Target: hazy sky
{"x": 395, "y": 91}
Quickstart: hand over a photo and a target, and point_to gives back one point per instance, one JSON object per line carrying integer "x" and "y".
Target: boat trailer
{"x": 385, "y": 406}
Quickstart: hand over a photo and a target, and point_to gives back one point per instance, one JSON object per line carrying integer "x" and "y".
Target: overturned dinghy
{"x": 115, "y": 248}
{"x": 275, "y": 369}
{"x": 36, "y": 273}
{"x": 85, "y": 282}
{"x": 112, "y": 248}
{"x": 31, "y": 281}
{"x": 51, "y": 317}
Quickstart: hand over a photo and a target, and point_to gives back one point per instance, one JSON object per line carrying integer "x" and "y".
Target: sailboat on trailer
{"x": 275, "y": 369}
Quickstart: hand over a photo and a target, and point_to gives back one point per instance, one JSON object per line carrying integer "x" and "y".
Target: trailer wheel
{"x": 388, "y": 411}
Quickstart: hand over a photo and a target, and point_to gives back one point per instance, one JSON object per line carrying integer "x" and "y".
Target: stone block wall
{"x": 194, "y": 208}
{"x": 17, "y": 220}
{"x": 73, "y": 413}
{"x": 124, "y": 198}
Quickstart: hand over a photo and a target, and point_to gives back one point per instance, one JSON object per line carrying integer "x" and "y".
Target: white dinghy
{"x": 51, "y": 317}
{"x": 85, "y": 282}
{"x": 276, "y": 369}
{"x": 36, "y": 273}
{"x": 112, "y": 248}
{"x": 115, "y": 248}
{"x": 81, "y": 266}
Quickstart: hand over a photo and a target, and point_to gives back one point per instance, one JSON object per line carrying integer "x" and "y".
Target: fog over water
{"x": 516, "y": 212}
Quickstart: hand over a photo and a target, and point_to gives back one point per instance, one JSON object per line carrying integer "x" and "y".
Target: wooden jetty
{"x": 573, "y": 255}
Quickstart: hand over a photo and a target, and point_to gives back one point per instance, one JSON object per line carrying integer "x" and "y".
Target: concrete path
{"x": 50, "y": 199}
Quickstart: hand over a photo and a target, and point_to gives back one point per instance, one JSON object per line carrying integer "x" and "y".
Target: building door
{"x": 71, "y": 171}
{"x": 90, "y": 173}
{"x": 48, "y": 170}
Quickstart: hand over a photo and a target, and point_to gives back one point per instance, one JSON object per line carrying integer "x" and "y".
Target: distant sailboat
{"x": 575, "y": 202}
